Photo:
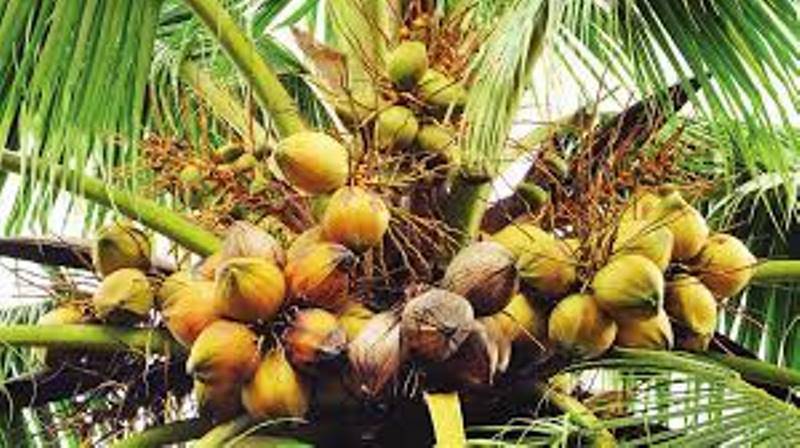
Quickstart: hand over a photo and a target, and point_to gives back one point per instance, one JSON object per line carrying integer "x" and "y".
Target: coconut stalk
{"x": 154, "y": 216}
{"x": 100, "y": 338}
{"x": 578, "y": 413}
{"x": 244, "y": 53}
{"x": 167, "y": 434}
{"x": 777, "y": 271}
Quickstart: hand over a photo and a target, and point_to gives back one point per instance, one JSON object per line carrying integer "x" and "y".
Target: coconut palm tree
{"x": 168, "y": 113}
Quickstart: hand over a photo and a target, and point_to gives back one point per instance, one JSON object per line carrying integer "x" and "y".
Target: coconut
{"x": 119, "y": 246}
{"x": 308, "y": 238}
{"x": 353, "y": 318}
{"x": 358, "y": 105}
{"x": 356, "y": 218}
{"x": 407, "y": 63}
{"x": 688, "y": 227}
{"x": 276, "y": 390}
{"x": 724, "y": 265}
{"x": 653, "y": 333}
{"x": 314, "y": 336}
{"x": 440, "y": 91}
{"x": 376, "y": 354}
{"x": 473, "y": 365}
{"x": 629, "y": 286}
{"x": 246, "y": 240}
{"x": 395, "y": 128}
{"x": 123, "y": 296}
{"x": 65, "y": 314}
{"x": 579, "y": 326}
{"x": 691, "y": 304}
{"x": 188, "y": 306}
{"x": 244, "y": 163}
{"x": 640, "y": 207}
{"x": 640, "y": 237}
{"x": 319, "y": 275}
{"x": 435, "y": 323}
{"x": 437, "y": 139}
{"x": 218, "y": 401}
{"x": 208, "y": 267}
{"x": 544, "y": 263}
{"x": 224, "y": 352}
{"x": 250, "y": 289}
{"x": 313, "y": 161}
{"x": 483, "y": 273}
{"x": 524, "y": 322}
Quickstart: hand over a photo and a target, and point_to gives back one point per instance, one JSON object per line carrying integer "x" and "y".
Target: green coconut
{"x": 396, "y": 128}
{"x": 407, "y": 64}
{"x": 578, "y": 326}
{"x": 120, "y": 246}
{"x": 123, "y": 296}
{"x": 629, "y": 286}
{"x": 313, "y": 161}
{"x": 358, "y": 105}
{"x": 437, "y": 139}
{"x": 440, "y": 91}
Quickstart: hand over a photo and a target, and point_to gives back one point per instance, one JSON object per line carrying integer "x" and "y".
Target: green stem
{"x": 466, "y": 205}
{"x": 147, "y": 212}
{"x": 578, "y": 413}
{"x": 90, "y": 337}
{"x": 225, "y": 432}
{"x": 244, "y": 53}
{"x": 777, "y": 271}
{"x": 168, "y": 434}
{"x": 758, "y": 371}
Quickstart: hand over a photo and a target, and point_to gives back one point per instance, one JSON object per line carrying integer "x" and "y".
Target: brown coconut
{"x": 218, "y": 401}
{"x": 724, "y": 265}
{"x": 243, "y": 239}
{"x": 579, "y": 326}
{"x": 356, "y": 218}
{"x": 276, "y": 390}
{"x": 313, "y": 161}
{"x": 435, "y": 324}
{"x": 319, "y": 276}
{"x": 250, "y": 289}
{"x": 484, "y": 273}
{"x": 224, "y": 352}
{"x": 473, "y": 365}
{"x": 629, "y": 286}
{"x": 118, "y": 246}
{"x": 376, "y": 354}
{"x": 654, "y": 333}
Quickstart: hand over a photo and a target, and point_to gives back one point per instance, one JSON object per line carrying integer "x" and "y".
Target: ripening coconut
{"x": 407, "y": 63}
{"x": 319, "y": 275}
{"x": 250, "y": 289}
{"x": 724, "y": 265}
{"x": 640, "y": 206}
{"x": 544, "y": 263}
{"x": 691, "y": 304}
{"x": 435, "y": 323}
{"x": 207, "y": 268}
{"x": 640, "y": 237}
{"x": 188, "y": 306}
{"x": 123, "y": 296}
{"x": 313, "y": 336}
{"x": 395, "y": 128}
{"x": 356, "y": 218}
{"x": 629, "y": 286}
{"x": 580, "y": 327}
{"x": 218, "y": 401}
{"x": 654, "y": 332}
{"x": 224, "y": 352}
{"x": 483, "y": 273}
{"x": 689, "y": 228}
{"x": 306, "y": 239}
{"x": 243, "y": 239}
{"x": 120, "y": 246}
{"x": 440, "y": 91}
{"x": 275, "y": 390}
{"x": 313, "y": 161}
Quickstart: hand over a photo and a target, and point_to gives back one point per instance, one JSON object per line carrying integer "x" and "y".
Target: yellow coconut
{"x": 123, "y": 296}
{"x": 395, "y": 128}
{"x": 580, "y": 327}
{"x": 188, "y": 306}
{"x": 640, "y": 206}
{"x": 407, "y": 64}
{"x": 689, "y": 228}
{"x": 313, "y": 161}
{"x": 319, "y": 276}
{"x": 308, "y": 238}
{"x": 119, "y": 246}
{"x": 544, "y": 263}
{"x": 724, "y": 265}
{"x": 208, "y": 267}
{"x": 314, "y": 336}
{"x": 653, "y": 332}
{"x": 691, "y": 304}
{"x": 276, "y": 390}
{"x": 353, "y": 318}
{"x": 640, "y": 237}
{"x": 250, "y": 289}
{"x": 629, "y": 286}
{"x": 435, "y": 324}
{"x": 218, "y": 401}
{"x": 356, "y": 218}
{"x": 224, "y": 352}
{"x": 243, "y": 239}
{"x": 484, "y": 274}
{"x": 440, "y": 91}
{"x": 524, "y": 321}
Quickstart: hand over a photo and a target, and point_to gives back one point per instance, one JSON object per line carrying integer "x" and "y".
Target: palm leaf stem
{"x": 777, "y": 271}
{"x": 90, "y": 337}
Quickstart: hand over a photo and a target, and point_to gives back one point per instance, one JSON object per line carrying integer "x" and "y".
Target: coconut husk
{"x": 435, "y": 324}
{"x": 485, "y": 274}
{"x": 376, "y": 354}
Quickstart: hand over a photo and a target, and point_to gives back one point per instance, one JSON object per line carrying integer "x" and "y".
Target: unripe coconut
{"x": 544, "y": 263}
{"x": 225, "y": 352}
{"x": 407, "y": 64}
{"x": 319, "y": 275}
{"x": 653, "y": 332}
{"x": 440, "y": 91}
{"x": 639, "y": 237}
{"x": 250, "y": 289}
{"x": 244, "y": 163}
{"x": 690, "y": 303}
{"x": 119, "y": 246}
{"x": 395, "y": 128}
{"x": 579, "y": 326}
{"x": 689, "y": 228}
{"x": 629, "y": 286}
{"x": 303, "y": 241}
{"x": 484, "y": 274}
{"x": 219, "y": 401}
{"x": 440, "y": 140}
{"x": 376, "y": 354}
{"x": 435, "y": 323}
{"x": 276, "y": 390}
{"x": 123, "y": 296}
{"x": 640, "y": 206}
{"x": 356, "y": 218}
{"x": 358, "y": 105}
{"x": 246, "y": 240}
{"x": 65, "y": 314}
{"x": 188, "y": 306}
{"x": 313, "y": 161}
{"x": 725, "y": 265}
{"x": 227, "y": 153}
{"x": 314, "y": 336}
{"x": 354, "y": 318}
